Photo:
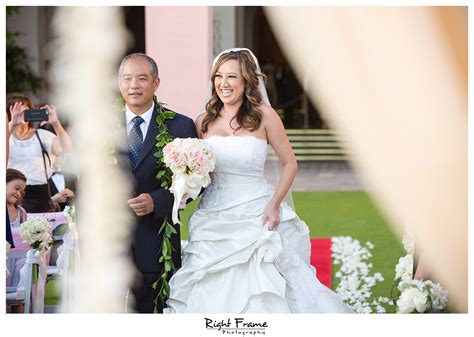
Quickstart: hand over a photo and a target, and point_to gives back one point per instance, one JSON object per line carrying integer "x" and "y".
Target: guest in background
{"x": 15, "y": 188}
{"x": 8, "y": 229}
{"x": 62, "y": 184}
{"x": 31, "y": 149}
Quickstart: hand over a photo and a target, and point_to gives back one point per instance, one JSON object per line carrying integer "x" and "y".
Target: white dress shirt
{"x": 59, "y": 181}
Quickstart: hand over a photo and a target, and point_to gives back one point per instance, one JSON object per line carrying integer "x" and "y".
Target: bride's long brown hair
{"x": 249, "y": 115}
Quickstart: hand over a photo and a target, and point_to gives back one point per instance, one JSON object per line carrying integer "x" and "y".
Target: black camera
{"x": 35, "y": 115}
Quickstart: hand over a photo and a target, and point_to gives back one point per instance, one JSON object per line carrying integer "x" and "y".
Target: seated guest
{"x": 15, "y": 188}
{"x": 62, "y": 184}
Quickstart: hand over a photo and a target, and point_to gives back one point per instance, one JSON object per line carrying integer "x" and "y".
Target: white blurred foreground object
{"x": 84, "y": 68}
{"x": 393, "y": 81}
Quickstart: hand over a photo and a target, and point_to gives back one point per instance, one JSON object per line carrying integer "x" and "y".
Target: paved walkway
{"x": 327, "y": 180}
{"x": 326, "y": 177}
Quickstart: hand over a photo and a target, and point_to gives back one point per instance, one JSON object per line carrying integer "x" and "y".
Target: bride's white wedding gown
{"x": 233, "y": 263}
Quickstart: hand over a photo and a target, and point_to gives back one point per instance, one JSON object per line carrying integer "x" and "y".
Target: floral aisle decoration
{"x": 70, "y": 243}
{"x": 184, "y": 167}
{"x": 411, "y": 295}
{"x": 356, "y": 279}
{"x": 69, "y": 259}
{"x": 36, "y": 232}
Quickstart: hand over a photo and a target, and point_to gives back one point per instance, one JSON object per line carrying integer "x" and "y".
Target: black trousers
{"x": 36, "y": 199}
{"x": 144, "y": 294}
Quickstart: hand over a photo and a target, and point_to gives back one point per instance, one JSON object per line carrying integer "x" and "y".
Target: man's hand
{"x": 62, "y": 196}
{"x": 142, "y": 205}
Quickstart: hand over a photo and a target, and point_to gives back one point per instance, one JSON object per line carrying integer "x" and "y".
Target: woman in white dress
{"x": 248, "y": 251}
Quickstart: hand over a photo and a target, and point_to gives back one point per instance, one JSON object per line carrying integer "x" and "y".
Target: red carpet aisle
{"x": 321, "y": 259}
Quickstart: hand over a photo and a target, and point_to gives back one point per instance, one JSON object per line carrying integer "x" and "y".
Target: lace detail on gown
{"x": 233, "y": 263}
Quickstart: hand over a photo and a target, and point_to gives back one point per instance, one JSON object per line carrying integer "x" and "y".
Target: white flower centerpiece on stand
{"x": 69, "y": 259}
{"x": 36, "y": 232}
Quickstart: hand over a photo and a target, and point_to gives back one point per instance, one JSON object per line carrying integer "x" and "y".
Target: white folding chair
{"x": 22, "y": 293}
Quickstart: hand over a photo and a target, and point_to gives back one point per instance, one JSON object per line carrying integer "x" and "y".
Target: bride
{"x": 248, "y": 251}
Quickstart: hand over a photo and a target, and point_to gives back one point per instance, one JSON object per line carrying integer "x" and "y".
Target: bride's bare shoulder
{"x": 198, "y": 123}
{"x": 268, "y": 113}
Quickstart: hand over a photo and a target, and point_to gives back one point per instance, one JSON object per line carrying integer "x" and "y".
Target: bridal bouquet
{"x": 191, "y": 160}
{"x": 36, "y": 232}
{"x": 416, "y": 295}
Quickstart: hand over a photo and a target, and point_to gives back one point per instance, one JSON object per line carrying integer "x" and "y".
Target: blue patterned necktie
{"x": 135, "y": 140}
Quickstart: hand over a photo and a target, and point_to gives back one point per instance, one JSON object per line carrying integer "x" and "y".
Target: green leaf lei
{"x": 166, "y": 230}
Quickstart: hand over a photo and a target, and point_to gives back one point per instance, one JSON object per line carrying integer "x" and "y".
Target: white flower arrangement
{"x": 416, "y": 295}
{"x": 70, "y": 213}
{"x": 36, "y": 232}
{"x": 356, "y": 281}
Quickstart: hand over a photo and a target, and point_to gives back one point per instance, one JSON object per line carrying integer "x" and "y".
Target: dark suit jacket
{"x": 146, "y": 244}
{"x": 70, "y": 181}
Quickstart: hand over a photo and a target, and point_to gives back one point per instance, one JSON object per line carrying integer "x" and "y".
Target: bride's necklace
{"x": 228, "y": 116}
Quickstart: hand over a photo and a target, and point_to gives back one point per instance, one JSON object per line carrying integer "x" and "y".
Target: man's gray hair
{"x": 153, "y": 66}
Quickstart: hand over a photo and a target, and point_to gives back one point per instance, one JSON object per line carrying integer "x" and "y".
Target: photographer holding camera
{"x": 30, "y": 148}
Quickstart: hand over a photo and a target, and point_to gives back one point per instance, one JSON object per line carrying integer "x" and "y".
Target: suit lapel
{"x": 150, "y": 141}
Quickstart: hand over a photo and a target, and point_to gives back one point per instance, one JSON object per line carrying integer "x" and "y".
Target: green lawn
{"x": 331, "y": 214}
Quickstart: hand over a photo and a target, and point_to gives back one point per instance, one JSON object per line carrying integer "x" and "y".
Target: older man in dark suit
{"x": 138, "y": 81}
